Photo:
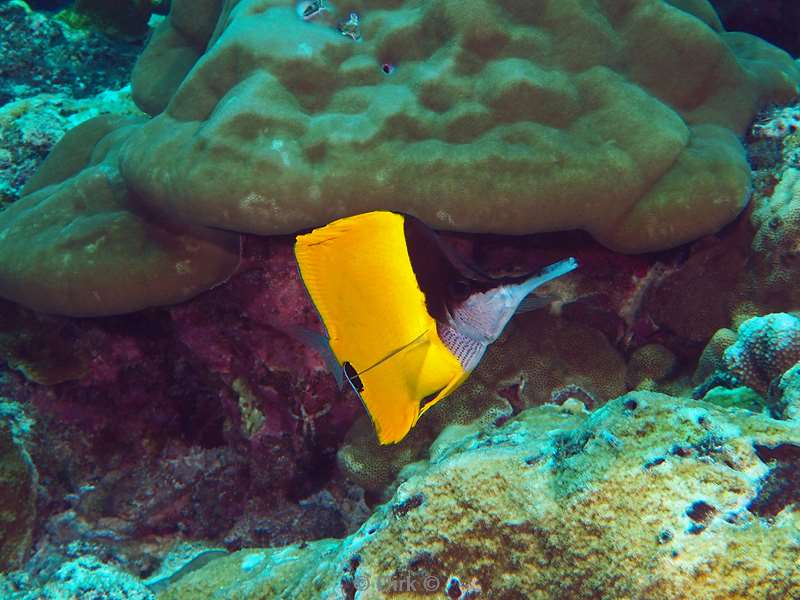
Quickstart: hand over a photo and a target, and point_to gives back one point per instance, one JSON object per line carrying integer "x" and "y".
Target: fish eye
{"x": 459, "y": 289}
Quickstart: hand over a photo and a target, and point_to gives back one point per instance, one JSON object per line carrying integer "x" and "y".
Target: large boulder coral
{"x": 486, "y": 116}
{"x": 78, "y": 243}
{"x": 649, "y": 497}
{"x": 493, "y": 116}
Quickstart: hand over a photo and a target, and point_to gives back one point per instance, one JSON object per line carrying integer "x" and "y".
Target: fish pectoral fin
{"x": 318, "y": 342}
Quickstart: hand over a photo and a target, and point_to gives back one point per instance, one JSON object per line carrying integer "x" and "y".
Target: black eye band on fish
{"x": 352, "y": 377}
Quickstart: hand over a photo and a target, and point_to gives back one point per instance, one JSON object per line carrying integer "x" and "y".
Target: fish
{"x": 406, "y": 318}
{"x": 308, "y": 9}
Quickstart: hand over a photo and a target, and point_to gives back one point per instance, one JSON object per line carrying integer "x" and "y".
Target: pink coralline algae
{"x": 766, "y": 348}
{"x": 214, "y": 384}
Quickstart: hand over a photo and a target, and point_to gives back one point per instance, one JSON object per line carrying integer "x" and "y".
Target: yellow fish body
{"x": 406, "y": 320}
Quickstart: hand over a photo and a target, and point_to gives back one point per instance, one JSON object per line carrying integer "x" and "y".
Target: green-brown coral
{"x": 486, "y": 116}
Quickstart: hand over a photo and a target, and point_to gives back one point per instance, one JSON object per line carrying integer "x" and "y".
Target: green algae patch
{"x": 255, "y": 573}
{"x": 740, "y": 397}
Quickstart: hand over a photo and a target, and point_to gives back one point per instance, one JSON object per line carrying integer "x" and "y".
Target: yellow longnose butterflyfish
{"x": 407, "y": 320}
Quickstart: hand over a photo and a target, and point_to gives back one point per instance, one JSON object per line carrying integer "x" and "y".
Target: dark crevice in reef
{"x": 781, "y": 486}
{"x": 772, "y": 20}
{"x": 701, "y": 512}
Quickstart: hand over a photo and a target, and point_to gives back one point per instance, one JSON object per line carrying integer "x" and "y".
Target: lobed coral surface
{"x": 487, "y": 117}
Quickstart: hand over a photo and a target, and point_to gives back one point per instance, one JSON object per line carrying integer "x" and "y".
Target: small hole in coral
{"x": 682, "y": 451}
{"x": 664, "y": 536}
{"x": 631, "y": 404}
{"x": 501, "y": 420}
{"x": 701, "y": 511}
{"x": 696, "y": 528}
{"x": 654, "y": 462}
{"x": 387, "y": 68}
{"x": 453, "y": 589}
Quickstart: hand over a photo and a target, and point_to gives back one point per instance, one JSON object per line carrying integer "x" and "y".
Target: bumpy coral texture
{"x": 765, "y": 349}
{"x": 493, "y": 116}
{"x": 77, "y": 243}
{"x": 649, "y": 497}
{"x": 487, "y": 116}
{"x": 775, "y": 262}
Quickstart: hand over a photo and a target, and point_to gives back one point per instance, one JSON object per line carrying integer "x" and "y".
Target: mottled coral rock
{"x": 84, "y": 577}
{"x": 18, "y": 481}
{"x": 30, "y": 127}
{"x": 41, "y": 54}
{"x": 788, "y": 394}
{"x": 649, "y": 497}
{"x": 756, "y": 356}
{"x": 649, "y": 364}
{"x": 774, "y": 266}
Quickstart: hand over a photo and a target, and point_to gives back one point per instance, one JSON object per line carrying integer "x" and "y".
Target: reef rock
{"x": 30, "y": 127}
{"x": 18, "y": 479}
{"x": 42, "y": 54}
{"x": 648, "y": 497}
